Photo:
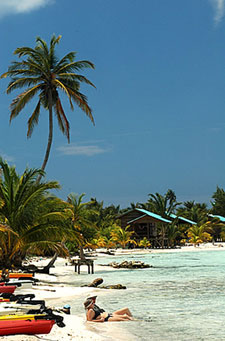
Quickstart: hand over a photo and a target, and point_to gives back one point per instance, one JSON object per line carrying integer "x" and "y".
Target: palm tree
{"x": 196, "y": 212}
{"x": 122, "y": 236}
{"x": 164, "y": 205}
{"x": 172, "y": 233}
{"x": 82, "y": 225}
{"x": 199, "y": 234}
{"x": 145, "y": 243}
{"x": 42, "y": 73}
{"x": 31, "y": 220}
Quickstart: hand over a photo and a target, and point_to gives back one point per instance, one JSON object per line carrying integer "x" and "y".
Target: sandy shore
{"x": 76, "y": 326}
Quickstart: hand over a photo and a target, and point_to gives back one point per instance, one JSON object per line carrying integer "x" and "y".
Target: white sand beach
{"x": 54, "y": 294}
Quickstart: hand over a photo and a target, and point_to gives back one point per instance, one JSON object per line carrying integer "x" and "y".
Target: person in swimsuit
{"x": 96, "y": 314}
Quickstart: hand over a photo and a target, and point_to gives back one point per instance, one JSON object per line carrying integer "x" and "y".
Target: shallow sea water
{"x": 182, "y": 297}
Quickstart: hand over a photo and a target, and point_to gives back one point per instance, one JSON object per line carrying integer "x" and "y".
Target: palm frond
{"x": 74, "y": 66}
{"x": 62, "y": 120}
{"x": 20, "y": 101}
{"x": 81, "y": 101}
{"x": 21, "y": 82}
{"x": 75, "y": 77}
{"x": 33, "y": 120}
{"x": 64, "y": 88}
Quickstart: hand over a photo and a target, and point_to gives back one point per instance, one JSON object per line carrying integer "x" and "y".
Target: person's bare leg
{"x": 116, "y": 318}
{"x": 123, "y": 311}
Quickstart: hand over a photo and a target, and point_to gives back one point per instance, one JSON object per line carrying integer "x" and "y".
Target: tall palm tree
{"x": 42, "y": 73}
{"x": 30, "y": 218}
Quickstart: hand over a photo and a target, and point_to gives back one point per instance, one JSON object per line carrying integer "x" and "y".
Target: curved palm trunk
{"x": 82, "y": 256}
{"x": 50, "y": 135}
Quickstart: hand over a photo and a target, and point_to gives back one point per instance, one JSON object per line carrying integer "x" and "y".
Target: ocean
{"x": 181, "y": 297}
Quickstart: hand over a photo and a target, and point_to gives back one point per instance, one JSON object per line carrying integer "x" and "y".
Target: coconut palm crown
{"x": 42, "y": 73}
{"x": 31, "y": 220}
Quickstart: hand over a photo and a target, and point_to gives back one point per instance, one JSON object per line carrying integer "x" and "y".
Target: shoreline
{"x": 55, "y": 290}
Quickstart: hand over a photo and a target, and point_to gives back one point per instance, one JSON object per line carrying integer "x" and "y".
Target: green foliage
{"x": 122, "y": 236}
{"x": 163, "y": 205}
{"x": 30, "y": 218}
{"x": 196, "y": 212}
{"x": 82, "y": 227}
{"x": 218, "y": 203}
{"x": 41, "y": 73}
{"x": 199, "y": 234}
{"x": 144, "y": 243}
{"x": 104, "y": 217}
{"x": 173, "y": 232}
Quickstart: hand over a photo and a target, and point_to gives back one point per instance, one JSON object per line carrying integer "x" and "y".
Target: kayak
{"x": 25, "y": 283}
{"x": 7, "y": 297}
{"x": 19, "y": 274}
{"x": 7, "y": 288}
{"x": 15, "y": 281}
{"x": 26, "y": 327}
{"x": 14, "y": 308}
{"x": 20, "y": 317}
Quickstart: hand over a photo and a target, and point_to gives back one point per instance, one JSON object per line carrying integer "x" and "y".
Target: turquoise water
{"x": 182, "y": 297}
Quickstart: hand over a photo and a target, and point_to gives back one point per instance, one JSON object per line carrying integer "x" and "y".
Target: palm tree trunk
{"x": 82, "y": 257}
{"x": 50, "y": 135}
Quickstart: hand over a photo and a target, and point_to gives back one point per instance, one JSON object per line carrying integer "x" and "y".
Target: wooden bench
{"x": 78, "y": 262}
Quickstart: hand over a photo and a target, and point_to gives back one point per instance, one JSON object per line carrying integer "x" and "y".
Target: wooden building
{"x": 146, "y": 224}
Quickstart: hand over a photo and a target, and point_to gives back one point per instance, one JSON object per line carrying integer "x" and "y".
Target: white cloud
{"x": 219, "y": 8}
{"x": 87, "y": 150}
{"x": 8, "y": 7}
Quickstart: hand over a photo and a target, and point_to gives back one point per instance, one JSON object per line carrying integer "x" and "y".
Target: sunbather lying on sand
{"x": 96, "y": 314}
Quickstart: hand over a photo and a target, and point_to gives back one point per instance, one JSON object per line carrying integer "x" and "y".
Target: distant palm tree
{"x": 199, "y": 234}
{"x": 144, "y": 243}
{"x": 196, "y": 212}
{"x": 122, "y": 236}
{"x": 164, "y": 205}
{"x": 84, "y": 229}
{"x": 172, "y": 233}
{"x": 31, "y": 220}
{"x": 44, "y": 74}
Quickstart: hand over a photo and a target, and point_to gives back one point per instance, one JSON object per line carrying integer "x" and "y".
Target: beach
{"x": 56, "y": 290}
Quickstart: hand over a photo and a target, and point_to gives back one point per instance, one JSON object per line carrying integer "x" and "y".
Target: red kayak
{"x": 7, "y": 288}
{"x": 13, "y": 327}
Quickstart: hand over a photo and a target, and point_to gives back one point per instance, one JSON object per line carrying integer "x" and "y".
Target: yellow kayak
{"x": 20, "y": 317}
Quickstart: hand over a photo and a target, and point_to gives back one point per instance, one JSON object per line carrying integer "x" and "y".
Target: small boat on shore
{"x": 7, "y": 297}
{"x": 7, "y": 288}
{"x": 4, "y": 299}
{"x": 18, "y": 274}
{"x": 31, "y": 327}
{"x": 21, "y": 317}
{"x": 16, "y": 308}
{"x": 19, "y": 283}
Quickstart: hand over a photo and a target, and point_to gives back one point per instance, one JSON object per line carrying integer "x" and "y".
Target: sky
{"x": 159, "y": 102}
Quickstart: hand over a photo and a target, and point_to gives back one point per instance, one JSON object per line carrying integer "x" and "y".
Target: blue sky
{"x": 159, "y": 102}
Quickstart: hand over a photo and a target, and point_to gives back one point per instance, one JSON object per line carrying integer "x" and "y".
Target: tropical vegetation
{"x": 34, "y": 221}
{"x": 42, "y": 73}
{"x": 31, "y": 219}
